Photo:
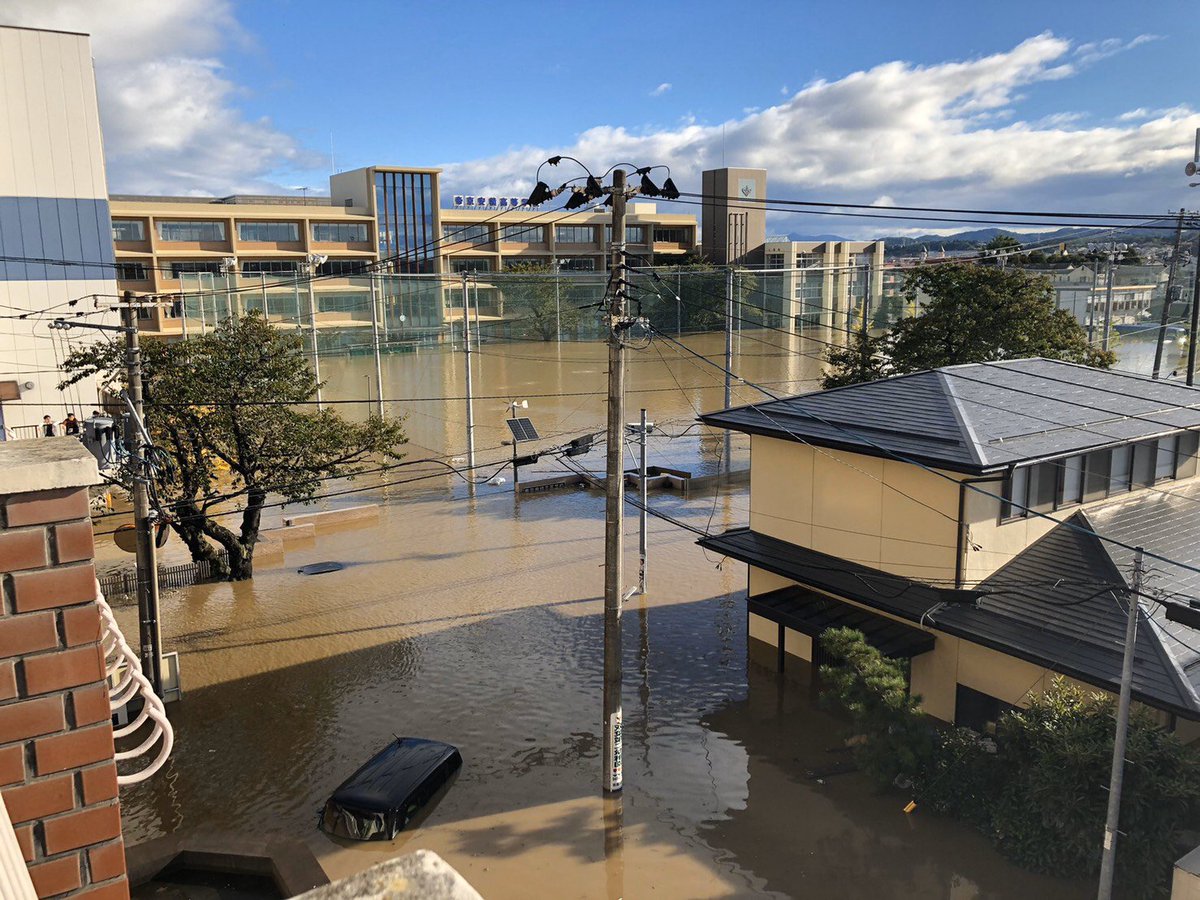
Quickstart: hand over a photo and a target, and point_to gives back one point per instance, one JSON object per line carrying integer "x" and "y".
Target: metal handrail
{"x": 123, "y": 687}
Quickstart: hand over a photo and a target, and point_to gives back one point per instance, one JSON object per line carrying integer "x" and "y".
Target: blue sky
{"x": 1011, "y": 105}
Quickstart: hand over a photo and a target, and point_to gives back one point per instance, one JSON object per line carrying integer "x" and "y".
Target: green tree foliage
{"x": 973, "y": 314}
{"x": 874, "y": 691}
{"x": 218, "y": 409}
{"x": 1003, "y": 242}
{"x": 547, "y": 305}
{"x": 1039, "y": 790}
{"x": 1053, "y": 764}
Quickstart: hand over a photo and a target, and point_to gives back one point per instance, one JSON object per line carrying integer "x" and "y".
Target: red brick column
{"x": 56, "y": 746}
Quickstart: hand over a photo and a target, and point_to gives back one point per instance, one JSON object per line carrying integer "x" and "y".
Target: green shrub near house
{"x": 1040, "y": 789}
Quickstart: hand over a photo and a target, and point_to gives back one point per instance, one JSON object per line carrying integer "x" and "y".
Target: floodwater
{"x": 478, "y": 621}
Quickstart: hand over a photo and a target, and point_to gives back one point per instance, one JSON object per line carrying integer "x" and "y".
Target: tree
{"x": 873, "y": 689}
{"x": 973, "y": 314}
{"x": 702, "y": 298}
{"x": 220, "y": 412}
{"x": 547, "y": 304}
{"x": 1003, "y": 242}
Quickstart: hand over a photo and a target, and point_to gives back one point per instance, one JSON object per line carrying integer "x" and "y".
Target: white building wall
{"x": 53, "y": 206}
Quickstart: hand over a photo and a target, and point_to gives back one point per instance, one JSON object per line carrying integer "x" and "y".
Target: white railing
{"x": 123, "y": 670}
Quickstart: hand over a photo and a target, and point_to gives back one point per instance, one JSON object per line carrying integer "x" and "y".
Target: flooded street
{"x": 478, "y": 621}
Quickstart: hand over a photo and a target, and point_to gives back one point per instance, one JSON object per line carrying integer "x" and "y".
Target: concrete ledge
{"x": 1185, "y": 885}
{"x": 342, "y": 516}
{"x": 290, "y": 534}
{"x": 45, "y": 464}
{"x": 423, "y": 875}
{"x": 288, "y": 863}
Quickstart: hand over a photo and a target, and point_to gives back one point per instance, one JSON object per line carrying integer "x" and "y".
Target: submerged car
{"x": 381, "y": 798}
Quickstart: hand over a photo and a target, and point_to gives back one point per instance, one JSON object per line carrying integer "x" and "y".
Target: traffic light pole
{"x": 614, "y": 496}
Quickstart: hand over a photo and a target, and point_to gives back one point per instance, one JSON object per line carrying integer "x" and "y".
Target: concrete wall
{"x": 53, "y": 205}
{"x": 57, "y": 768}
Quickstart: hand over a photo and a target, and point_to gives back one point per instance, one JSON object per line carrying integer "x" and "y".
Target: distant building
{"x": 824, "y": 283}
{"x": 53, "y": 205}
{"x": 393, "y": 215}
{"x": 734, "y": 214}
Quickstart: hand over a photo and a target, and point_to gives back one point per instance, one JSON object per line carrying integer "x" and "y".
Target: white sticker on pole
{"x": 614, "y": 767}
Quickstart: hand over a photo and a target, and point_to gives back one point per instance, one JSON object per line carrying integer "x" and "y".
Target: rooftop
{"x": 978, "y": 418}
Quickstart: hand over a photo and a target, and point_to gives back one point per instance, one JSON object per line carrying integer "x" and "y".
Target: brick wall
{"x": 58, "y": 777}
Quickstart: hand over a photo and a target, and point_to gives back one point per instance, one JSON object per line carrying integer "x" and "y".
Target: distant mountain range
{"x": 965, "y": 240}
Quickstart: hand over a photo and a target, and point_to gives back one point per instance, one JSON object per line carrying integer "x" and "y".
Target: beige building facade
{"x": 978, "y": 570}
{"x": 825, "y": 283}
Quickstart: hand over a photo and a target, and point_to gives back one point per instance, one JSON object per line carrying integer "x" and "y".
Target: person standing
{"x": 47, "y": 427}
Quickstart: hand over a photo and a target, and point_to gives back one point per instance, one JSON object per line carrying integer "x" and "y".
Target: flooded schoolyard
{"x": 477, "y": 621}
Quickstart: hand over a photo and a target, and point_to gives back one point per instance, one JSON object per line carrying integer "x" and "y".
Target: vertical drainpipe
{"x": 961, "y": 545}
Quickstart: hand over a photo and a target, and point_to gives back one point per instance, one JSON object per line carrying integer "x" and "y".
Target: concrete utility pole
{"x": 1108, "y": 859}
{"x": 1166, "y": 310}
{"x": 642, "y": 429}
{"x": 1195, "y": 323}
{"x": 470, "y": 397}
{"x": 1108, "y": 300}
{"x": 614, "y": 495}
{"x": 728, "y": 358}
{"x": 375, "y": 343}
{"x": 143, "y": 517}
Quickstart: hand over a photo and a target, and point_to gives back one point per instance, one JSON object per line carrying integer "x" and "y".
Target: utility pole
{"x": 1108, "y": 299}
{"x": 614, "y": 496}
{"x": 375, "y": 342}
{"x": 1092, "y": 302}
{"x": 1195, "y": 323}
{"x": 470, "y": 397}
{"x": 143, "y": 517}
{"x": 1108, "y": 859}
{"x": 642, "y": 428}
{"x": 866, "y": 304}
{"x": 728, "y": 358}
{"x": 1166, "y": 310}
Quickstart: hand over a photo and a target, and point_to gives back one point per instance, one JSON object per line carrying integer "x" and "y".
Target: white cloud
{"x": 1097, "y": 50}
{"x": 785, "y": 90}
{"x": 944, "y": 134}
{"x": 170, "y": 125}
{"x": 661, "y": 89}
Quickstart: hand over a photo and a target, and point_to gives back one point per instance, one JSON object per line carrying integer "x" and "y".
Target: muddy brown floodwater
{"x": 478, "y": 621}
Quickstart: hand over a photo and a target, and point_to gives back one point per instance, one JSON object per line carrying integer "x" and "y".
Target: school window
{"x": 523, "y": 234}
{"x": 339, "y": 232}
{"x": 667, "y": 235}
{"x": 470, "y": 264}
{"x": 343, "y": 267}
{"x": 574, "y": 234}
{"x": 131, "y": 272}
{"x": 268, "y": 231}
{"x": 465, "y": 234}
{"x": 128, "y": 230}
{"x": 269, "y": 267}
{"x": 577, "y": 264}
{"x": 191, "y": 231}
{"x": 193, "y": 268}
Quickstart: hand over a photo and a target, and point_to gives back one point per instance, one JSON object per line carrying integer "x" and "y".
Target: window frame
{"x": 141, "y": 231}
{"x": 195, "y": 224}
{"x": 293, "y": 229}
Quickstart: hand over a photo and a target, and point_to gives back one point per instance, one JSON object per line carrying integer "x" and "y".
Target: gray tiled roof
{"x": 977, "y": 418}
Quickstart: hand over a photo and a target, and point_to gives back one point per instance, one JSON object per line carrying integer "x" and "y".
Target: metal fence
{"x": 124, "y": 583}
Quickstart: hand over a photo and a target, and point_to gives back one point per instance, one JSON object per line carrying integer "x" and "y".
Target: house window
{"x": 1164, "y": 463}
{"x": 978, "y": 711}
{"x": 1071, "y": 490}
{"x": 1185, "y": 460}
{"x": 1120, "y": 471}
{"x": 128, "y": 230}
{"x": 1016, "y": 493}
{"x": 263, "y": 232}
{"x": 191, "y": 231}
{"x": 1095, "y": 475}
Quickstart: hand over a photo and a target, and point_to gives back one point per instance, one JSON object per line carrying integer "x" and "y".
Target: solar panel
{"x": 522, "y": 429}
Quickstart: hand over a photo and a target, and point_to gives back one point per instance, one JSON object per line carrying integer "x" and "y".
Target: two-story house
{"x": 977, "y": 521}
